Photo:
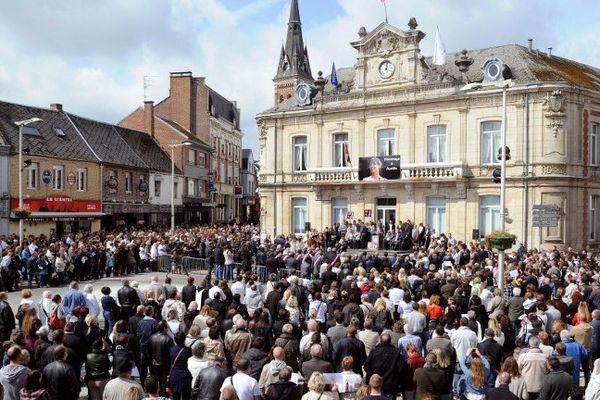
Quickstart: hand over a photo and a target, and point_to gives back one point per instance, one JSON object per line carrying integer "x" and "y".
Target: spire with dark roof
{"x": 293, "y": 62}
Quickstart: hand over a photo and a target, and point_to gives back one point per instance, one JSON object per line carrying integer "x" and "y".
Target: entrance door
{"x": 386, "y": 210}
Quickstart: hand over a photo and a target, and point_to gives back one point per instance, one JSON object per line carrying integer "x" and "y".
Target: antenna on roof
{"x": 549, "y": 51}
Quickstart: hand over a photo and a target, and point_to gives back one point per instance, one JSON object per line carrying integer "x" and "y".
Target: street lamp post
{"x": 21, "y": 124}
{"x": 503, "y": 84}
{"x": 173, "y": 146}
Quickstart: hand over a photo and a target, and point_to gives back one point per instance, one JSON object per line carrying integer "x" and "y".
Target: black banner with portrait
{"x": 379, "y": 168}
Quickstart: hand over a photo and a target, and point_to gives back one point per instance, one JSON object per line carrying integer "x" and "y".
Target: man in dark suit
{"x": 491, "y": 349}
{"x": 502, "y": 392}
{"x": 386, "y": 361}
{"x": 557, "y": 383}
{"x": 430, "y": 379}
{"x": 188, "y": 292}
{"x": 316, "y": 363}
{"x": 350, "y": 346}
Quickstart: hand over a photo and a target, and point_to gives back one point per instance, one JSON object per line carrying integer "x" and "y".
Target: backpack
{"x": 54, "y": 322}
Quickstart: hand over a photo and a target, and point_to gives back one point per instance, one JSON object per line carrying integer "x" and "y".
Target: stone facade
{"x": 550, "y": 130}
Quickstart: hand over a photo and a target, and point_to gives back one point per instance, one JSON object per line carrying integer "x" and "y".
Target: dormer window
{"x": 30, "y": 130}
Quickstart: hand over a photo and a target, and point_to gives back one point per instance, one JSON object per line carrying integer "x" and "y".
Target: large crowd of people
{"x": 299, "y": 317}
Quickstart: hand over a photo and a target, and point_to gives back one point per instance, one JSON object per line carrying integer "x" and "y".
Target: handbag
{"x": 168, "y": 389}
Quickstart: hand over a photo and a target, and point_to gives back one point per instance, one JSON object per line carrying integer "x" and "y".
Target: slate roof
{"x": 223, "y": 108}
{"x": 526, "y": 67}
{"x": 147, "y": 148}
{"x": 107, "y": 143}
{"x": 174, "y": 125}
{"x": 70, "y": 146}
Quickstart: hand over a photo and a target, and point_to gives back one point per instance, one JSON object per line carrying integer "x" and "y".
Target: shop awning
{"x": 47, "y": 214}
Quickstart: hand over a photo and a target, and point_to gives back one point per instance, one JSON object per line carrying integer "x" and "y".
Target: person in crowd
{"x": 476, "y": 369}
{"x": 270, "y": 372}
{"x": 97, "y": 370}
{"x": 33, "y": 389}
{"x": 14, "y": 375}
{"x": 159, "y": 352}
{"x": 414, "y": 361}
{"x": 245, "y": 386}
{"x": 316, "y": 389}
{"x": 533, "y": 367}
{"x": 60, "y": 378}
{"x": 180, "y": 378}
{"x": 119, "y": 387}
{"x": 350, "y": 346}
{"x": 556, "y": 384}
{"x": 502, "y": 390}
{"x": 208, "y": 383}
{"x": 284, "y": 388}
{"x": 429, "y": 379}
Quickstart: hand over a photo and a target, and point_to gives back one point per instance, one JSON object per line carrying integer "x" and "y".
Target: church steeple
{"x": 294, "y": 64}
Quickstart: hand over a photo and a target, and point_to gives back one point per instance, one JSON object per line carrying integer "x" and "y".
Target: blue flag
{"x": 333, "y": 79}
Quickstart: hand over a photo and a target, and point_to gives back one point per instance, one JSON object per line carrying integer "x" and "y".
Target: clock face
{"x": 386, "y": 69}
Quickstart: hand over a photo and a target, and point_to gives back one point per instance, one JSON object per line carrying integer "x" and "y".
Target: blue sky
{"x": 93, "y": 56}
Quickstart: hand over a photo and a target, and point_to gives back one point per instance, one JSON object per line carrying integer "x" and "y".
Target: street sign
{"x": 546, "y": 215}
{"x": 46, "y": 176}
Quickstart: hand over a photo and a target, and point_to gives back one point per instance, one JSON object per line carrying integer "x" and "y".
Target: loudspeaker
{"x": 307, "y": 227}
{"x": 475, "y": 234}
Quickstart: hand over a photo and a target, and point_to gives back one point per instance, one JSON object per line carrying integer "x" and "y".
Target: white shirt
{"x": 216, "y": 289}
{"x": 239, "y": 288}
{"x": 462, "y": 340}
{"x": 418, "y": 321}
{"x": 396, "y": 295}
{"x": 245, "y": 386}
{"x": 321, "y": 308}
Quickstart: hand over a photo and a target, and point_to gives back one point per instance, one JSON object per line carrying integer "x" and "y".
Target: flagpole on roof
{"x": 385, "y": 10}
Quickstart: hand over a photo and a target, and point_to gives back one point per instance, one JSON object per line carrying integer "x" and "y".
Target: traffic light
{"x": 507, "y": 153}
{"x": 27, "y": 163}
{"x": 497, "y": 175}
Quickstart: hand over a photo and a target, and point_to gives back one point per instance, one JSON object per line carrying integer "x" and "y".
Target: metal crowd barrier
{"x": 193, "y": 264}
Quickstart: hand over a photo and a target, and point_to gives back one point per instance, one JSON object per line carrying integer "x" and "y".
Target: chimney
{"x": 56, "y": 107}
{"x": 549, "y": 51}
{"x": 180, "y": 95}
{"x": 149, "y": 117}
{"x": 530, "y": 44}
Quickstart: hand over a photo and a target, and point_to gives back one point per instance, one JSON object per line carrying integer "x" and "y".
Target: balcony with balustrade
{"x": 431, "y": 172}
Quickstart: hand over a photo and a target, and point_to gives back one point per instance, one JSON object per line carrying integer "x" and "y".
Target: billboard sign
{"x": 379, "y": 168}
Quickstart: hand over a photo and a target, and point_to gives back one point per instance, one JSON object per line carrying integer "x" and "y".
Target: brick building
{"x": 195, "y": 113}
{"x": 61, "y": 186}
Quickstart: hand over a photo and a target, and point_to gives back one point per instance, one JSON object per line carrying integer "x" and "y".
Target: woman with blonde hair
{"x": 31, "y": 323}
{"x": 474, "y": 375}
{"x": 517, "y": 385}
{"x": 448, "y": 365}
{"x": 381, "y": 316}
{"x": 498, "y": 334}
{"x": 583, "y": 312}
{"x": 316, "y": 389}
{"x": 292, "y": 307}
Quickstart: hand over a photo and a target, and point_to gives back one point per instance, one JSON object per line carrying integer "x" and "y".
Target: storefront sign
{"x": 71, "y": 179}
{"x": 46, "y": 176}
{"x": 57, "y": 203}
{"x": 368, "y": 213}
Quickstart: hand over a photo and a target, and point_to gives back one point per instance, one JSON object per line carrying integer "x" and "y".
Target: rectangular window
{"x": 490, "y": 141}
{"x": 341, "y": 152}
{"x": 299, "y": 214}
{"x": 202, "y": 160}
{"x": 156, "y": 188}
{"x": 58, "y": 177}
{"x": 436, "y": 213}
{"x": 175, "y": 189}
{"x": 112, "y": 174}
{"x": 386, "y": 142}
{"x": 191, "y": 187}
{"x": 128, "y": 183}
{"x": 593, "y": 218}
{"x": 594, "y": 144}
{"x": 32, "y": 176}
{"x": 436, "y": 143}
{"x": 300, "y": 150}
{"x": 489, "y": 214}
{"x": 81, "y": 179}
{"x": 339, "y": 207}
{"x": 191, "y": 157}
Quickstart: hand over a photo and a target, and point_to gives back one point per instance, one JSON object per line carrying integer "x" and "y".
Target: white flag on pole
{"x": 439, "y": 50}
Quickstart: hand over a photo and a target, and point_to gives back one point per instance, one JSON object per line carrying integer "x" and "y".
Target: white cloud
{"x": 92, "y": 56}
